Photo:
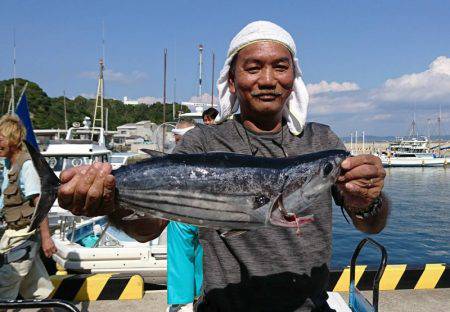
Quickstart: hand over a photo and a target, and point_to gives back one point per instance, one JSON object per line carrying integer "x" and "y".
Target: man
{"x": 184, "y": 253}
{"x": 269, "y": 269}
{"x": 183, "y": 126}
{"x": 20, "y": 194}
{"x": 209, "y": 115}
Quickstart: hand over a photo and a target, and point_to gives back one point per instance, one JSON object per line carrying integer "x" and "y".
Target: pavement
{"x": 436, "y": 300}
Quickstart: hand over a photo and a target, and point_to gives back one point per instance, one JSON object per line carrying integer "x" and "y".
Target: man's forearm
{"x": 142, "y": 228}
{"x": 373, "y": 224}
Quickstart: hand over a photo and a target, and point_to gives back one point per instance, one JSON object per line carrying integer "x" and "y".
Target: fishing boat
{"x": 414, "y": 152}
{"x": 82, "y": 146}
{"x": 93, "y": 246}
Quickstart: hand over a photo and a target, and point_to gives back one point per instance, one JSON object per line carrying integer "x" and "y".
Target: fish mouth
{"x": 280, "y": 217}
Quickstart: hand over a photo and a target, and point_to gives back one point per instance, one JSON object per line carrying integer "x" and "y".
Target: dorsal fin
{"x": 153, "y": 153}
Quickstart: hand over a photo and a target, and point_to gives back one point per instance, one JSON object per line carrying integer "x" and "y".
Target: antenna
{"x": 200, "y": 63}
{"x": 174, "y": 97}
{"x": 14, "y": 56}
{"x": 103, "y": 41}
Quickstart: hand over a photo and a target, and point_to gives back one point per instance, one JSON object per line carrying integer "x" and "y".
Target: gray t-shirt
{"x": 272, "y": 268}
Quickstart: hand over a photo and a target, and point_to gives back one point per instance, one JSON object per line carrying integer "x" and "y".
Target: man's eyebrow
{"x": 256, "y": 60}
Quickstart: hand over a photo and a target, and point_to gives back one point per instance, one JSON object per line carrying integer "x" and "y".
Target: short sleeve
{"x": 30, "y": 183}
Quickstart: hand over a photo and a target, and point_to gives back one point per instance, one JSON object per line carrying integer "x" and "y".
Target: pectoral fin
{"x": 232, "y": 233}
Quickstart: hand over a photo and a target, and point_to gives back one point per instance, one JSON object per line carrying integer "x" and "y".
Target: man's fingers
{"x": 362, "y": 192}
{"x": 82, "y": 189}
{"x": 67, "y": 175}
{"x": 364, "y": 171}
{"x": 66, "y": 191}
{"x": 352, "y": 162}
{"x": 94, "y": 196}
{"x": 109, "y": 187}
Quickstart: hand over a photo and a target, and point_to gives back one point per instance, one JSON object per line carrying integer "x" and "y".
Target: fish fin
{"x": 49, "y": 186}
{"x": 232, "y": 233}
{"x": 153, "y": 153}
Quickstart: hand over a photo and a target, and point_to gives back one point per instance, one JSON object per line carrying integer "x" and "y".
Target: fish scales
{"x": 219, "y": 190}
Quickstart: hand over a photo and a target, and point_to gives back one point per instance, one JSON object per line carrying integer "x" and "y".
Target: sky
{"x": 368, "y": 65}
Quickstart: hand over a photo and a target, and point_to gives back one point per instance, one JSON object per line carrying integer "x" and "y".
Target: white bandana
{"x": 296, "y": 107}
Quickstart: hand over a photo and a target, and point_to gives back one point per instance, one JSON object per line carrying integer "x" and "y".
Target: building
{"x": 134, "y": 133}
{"x": 129, "y": 102}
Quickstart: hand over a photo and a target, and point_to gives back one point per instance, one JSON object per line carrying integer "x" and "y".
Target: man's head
{"x": 12, "y": 134}
{"x": 183, "y": 126}
{"x": 262, "y": 76}
{"x": 209, "y": 115}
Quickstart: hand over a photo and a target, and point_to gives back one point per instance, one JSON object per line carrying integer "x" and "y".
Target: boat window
{"x": 59, "y": 163}
{"x": 117, "y": 159}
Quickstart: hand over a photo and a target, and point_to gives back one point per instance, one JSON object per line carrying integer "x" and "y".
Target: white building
{"x": 129, "y": 102}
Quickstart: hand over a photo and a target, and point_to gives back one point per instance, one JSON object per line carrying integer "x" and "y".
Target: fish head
{"x": 304, "y": 184}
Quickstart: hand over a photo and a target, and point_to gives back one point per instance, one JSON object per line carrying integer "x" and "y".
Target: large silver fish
{"x": 219, "y": 190}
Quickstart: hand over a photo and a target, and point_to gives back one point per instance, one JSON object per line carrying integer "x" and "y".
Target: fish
{"x": 226, "y": 191}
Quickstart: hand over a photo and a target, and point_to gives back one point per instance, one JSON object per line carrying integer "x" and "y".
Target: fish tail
{"x": 49, "y": 186}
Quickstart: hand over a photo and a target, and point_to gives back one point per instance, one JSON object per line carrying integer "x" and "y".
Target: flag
{"x": 24, "y": 114}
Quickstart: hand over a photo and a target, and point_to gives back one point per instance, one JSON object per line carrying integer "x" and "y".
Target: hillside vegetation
{"x": 48, "y": 113}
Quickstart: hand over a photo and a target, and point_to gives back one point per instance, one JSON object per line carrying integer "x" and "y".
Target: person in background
{"x": 20, "y": 194}
{"x": 184, "y": 254}
{"x": 209, "y": 115}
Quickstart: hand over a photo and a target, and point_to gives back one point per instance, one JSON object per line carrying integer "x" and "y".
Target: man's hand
{"x": 48, "y": 246}
{"x": 360, "y": 182}
{"x": 87, "y": 190}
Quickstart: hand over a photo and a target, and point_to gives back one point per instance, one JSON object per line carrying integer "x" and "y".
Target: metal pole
{"x": 200, "y": 61}
{"x": 174, "y": 97}
{"x": 164, "y": 100}
{"x": 14, "y": 56}
{"x": 356, "y": 140}
{"x": 363, "y": 143}
{"x": 65, "y": 109}
{"x": 212, "y": 81}
{"x": 106, "y": 119}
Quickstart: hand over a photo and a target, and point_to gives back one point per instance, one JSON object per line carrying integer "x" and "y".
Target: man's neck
{"x": 262, "y": 125}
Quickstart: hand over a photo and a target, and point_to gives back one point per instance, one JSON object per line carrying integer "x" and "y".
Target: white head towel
{"x": 296, "y": 107}
{"x": 182, "y": 131}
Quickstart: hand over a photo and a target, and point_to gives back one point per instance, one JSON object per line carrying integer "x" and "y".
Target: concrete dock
{"x": 436, "y": 300}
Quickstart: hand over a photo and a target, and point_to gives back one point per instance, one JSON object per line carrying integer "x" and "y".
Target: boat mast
{"x": 98, "y": 114}
{"x": 65, "y": 109}
{"x": 164, "y": 100}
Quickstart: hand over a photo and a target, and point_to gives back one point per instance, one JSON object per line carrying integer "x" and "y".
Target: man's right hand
{"x": 88, "y": 190}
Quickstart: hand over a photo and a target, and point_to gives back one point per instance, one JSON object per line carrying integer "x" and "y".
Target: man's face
{"x": 263, "y": 78}
{"x": 207, "y": 120}
{"x": 5, "y": 149}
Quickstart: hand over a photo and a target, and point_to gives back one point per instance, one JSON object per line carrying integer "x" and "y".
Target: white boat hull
{"x": 147, "y": 259}
{"x": 414, "y": 162}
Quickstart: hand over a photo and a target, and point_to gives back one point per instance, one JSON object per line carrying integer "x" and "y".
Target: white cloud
{"x": 88, "y": 95}
{"x": 432, "y": 84}
{"x": 149, "y": 100}
{"x": 324, "y": 86}
{"x": 339, "y": 104}
{"x": 379, "y": 117}
{"x": 117, "y": 76}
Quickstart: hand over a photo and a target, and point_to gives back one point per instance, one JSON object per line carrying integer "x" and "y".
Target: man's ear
{"x": 231, "y": 84}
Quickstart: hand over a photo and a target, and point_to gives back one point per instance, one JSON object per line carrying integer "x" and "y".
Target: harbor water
{"x": 418, "y": 229}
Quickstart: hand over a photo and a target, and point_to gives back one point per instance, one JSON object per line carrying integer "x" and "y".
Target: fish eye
{"x": 327, "y": 169}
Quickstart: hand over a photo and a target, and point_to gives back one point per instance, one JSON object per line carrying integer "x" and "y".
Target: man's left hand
{"x": 361, "y": 181}
{"x": 48, "y": 246}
